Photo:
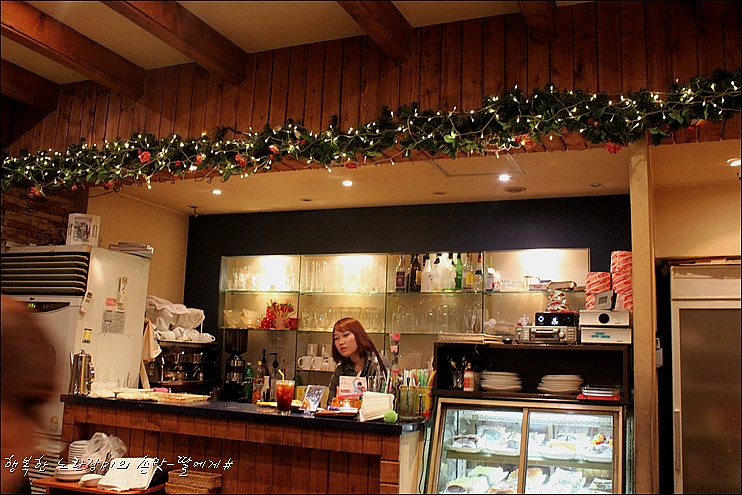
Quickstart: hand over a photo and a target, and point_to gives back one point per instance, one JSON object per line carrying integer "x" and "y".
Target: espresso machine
{"x": 235, "y": 344}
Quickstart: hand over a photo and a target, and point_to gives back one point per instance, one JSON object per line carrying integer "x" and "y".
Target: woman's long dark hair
{"x": 363, "y": 341}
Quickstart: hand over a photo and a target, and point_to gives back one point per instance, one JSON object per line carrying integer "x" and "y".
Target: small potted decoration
{"x": 277, "y": 312}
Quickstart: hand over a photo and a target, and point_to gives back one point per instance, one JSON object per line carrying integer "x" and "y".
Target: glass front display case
{"x": 482, "y": 446}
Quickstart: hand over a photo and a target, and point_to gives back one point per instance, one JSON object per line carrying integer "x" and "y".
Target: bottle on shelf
{"x": 400, "y": 276}
{"x": 248, "y": 378}
{"x": 415, "y": 276}
{"x": 257, "y": 383}
{"x": 426, "y": 281}
{"x": 265, "y": 392}
{"x": 467, "y": 274}
{"x": 274, "y": 377}
{"x": 459, "y": 271}
{"x": 439, "y": 270}
{"x": 478, "y": 274}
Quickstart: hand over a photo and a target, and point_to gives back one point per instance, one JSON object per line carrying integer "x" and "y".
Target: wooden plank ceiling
{"x": 175, "y": 25}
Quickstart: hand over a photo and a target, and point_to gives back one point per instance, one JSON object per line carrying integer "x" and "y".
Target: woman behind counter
{"x": 354, "y": 353}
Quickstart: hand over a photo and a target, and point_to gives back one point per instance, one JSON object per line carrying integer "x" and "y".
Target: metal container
{"x": 82, "y": 373}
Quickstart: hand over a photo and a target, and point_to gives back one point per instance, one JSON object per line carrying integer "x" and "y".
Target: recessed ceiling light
{"x": 504, "y": 177}
{"x": 347, "y": 183}
{"x": 439, "y": 193}
{"x": 514, "y": 189}
{"x": 216, "y": 192}
{"x": 733, "y": 162}
{"x": 596, "y": 184}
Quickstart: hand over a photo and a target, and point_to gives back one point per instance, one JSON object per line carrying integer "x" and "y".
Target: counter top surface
{"x": 251, "y": 412}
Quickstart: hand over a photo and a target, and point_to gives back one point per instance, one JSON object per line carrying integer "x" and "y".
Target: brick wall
{"x": 40, "y": 221}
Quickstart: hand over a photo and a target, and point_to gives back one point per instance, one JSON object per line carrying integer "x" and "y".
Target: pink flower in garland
{"x": 199, "y": 159}
{"x": 144, "y": 157}
{"x": 274, "y": 149}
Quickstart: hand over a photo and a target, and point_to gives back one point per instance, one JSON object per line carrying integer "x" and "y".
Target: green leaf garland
{"x": 510, "y": 120}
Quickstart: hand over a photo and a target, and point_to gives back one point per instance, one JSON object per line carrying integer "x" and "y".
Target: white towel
{"x": 128, "y": 473}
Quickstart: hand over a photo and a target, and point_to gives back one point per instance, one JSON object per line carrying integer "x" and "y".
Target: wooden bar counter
{"x": 258, "y": 450}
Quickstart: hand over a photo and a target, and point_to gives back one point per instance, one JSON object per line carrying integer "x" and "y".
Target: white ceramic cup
{"x": 168, "y": 335}
{"x": 311, "y": 349}
{"x": 206, "y": 337}
{"x": 317, "y": 362}
{"x": 305, "y": 362}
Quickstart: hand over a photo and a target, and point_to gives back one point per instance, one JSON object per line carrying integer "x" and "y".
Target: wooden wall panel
{"x": 279, "y": 87}
{"x": 732, "y": 37}
{"x": 430, "y": 67}
{"x": 331, "y": 93}
{"x": 126, "y": 114}
{"x": 516, "y": 52}
{"x": 562, "y": 55}
{"x": 169, "y": 101}
{"x": 297, "y": 83}
{"x": 350, "y": 92}
{"x": 63, "y": 117}
{"x": 370, "y": 104}
{"x": 493, "y": 53}
{"x": 451, "y": 70}
{"x": 409, "y": 73}
{"x": 659, "y": 43}
{"x": 609, "y": 55}
{"x": 153, "y": 101}
{"x": 230, "y": 96}
{"x": 632, "y": 42}
{"x": 100, "y": 118}
{"x": 243, "y": 113}
{"x": 213, "y": 113}
{"x": 471, "y": 64}
{"x": 262, "y": 95}
{"x": 684, "y": 41}
{"x": 74, "y": 121}
{"x": 183, "y": 100}
{"x": 37, "y": 132}
{"x": 539, "y": 70}
{"x": 314, "y": 87}
{"x": 585, "y": 64}
{"x": 389, "y": 84}
{"x": 90, "y": 94}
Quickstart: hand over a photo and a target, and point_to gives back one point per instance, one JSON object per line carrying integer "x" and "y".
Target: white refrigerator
{"x": 88, "y": 298}
{"x": 706, "y": 377}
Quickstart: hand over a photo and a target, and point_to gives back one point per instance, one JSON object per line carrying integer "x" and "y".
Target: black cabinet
{"x": 598, "y": 365}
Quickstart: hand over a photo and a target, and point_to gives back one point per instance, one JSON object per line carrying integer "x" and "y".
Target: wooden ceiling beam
{"x": 27, "y": 87}
{"x": 710, "y": 11}
{"x": 541, "y": 20}
{"x": 43, "y": 34}
{"x": 385, "y": 25}
{"x": 181, "y": 29}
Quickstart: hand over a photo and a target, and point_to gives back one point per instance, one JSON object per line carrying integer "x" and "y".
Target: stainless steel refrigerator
{"x": 706, "y": 377}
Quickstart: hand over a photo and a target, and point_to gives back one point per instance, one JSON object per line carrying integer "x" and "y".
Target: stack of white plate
{"x": 503, "y": 381}
{"x": 70, "y": 472}
{"x": 77, "y": 451}
{"x": 560, "y": 384}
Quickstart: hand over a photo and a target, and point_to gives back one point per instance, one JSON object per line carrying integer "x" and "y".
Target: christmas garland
{"x": 510, "y": 120}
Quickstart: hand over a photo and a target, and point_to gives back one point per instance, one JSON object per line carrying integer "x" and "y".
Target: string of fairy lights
{"x": 510, "y": 120}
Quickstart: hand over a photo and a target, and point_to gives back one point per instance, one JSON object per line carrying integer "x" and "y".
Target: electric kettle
{"x": 82, "y": 373}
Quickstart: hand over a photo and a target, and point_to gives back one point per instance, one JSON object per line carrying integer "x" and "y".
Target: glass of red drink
{"x": 284, "y": 395}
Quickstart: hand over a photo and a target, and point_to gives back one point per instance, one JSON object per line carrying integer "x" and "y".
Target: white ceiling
{"x": 257, "y": 26}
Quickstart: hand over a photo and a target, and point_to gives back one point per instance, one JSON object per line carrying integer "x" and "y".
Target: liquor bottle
{"x": 274, "y": 377}
{"x": 439, "y": 269}
{"x": 257, "y": 383}
{"x": 426, "y": 281}
{"x": 265, "y": 392}
{"x": 400, "y": 277}
{"x": 467, "y": 274}
{"x": 248, "y": 378}
{"x": 478, "y": 274}
{"x": 414, "y": 277}
{"x": 459, "y": 272}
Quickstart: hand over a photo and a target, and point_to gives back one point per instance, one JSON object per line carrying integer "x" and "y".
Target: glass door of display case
{"x": 483, "y": 446}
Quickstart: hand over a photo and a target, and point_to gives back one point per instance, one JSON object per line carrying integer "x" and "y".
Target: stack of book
{"x": 138, "y": 248}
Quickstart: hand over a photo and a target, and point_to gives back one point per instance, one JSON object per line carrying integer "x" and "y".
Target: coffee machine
{"x": 235, "y": 344}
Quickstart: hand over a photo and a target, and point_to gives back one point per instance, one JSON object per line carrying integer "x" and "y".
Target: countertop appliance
{"x": 90, "y": 299}
{"x": 538, "y": 334}
{"x": 706, "y": 377}
{"x": 599, "y": 326}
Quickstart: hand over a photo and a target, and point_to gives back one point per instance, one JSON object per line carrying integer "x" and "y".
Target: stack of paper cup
{"x": 621, "y": 268}
{"x": 595, "y": 283}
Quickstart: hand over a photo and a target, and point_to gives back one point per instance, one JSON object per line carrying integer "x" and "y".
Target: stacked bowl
{"x": 77, "y": 451}
{"x": 560, "y": 384}
{"x": 501, "y": 381}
